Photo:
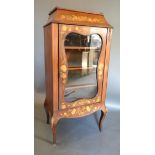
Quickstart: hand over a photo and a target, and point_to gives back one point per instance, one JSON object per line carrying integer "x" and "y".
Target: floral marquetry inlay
{"x": 81, "y": 102}
{"x": 64, "y": 28}
{"x": 77, "y": 81}
{"x": 81, "y": 18}
{"x": 100, "y": 70}
{"x": 63, "y": 68}
{"x": 63, "y": 73}
{"x": 79, "y": 111}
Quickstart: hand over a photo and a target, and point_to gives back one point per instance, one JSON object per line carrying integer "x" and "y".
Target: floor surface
{"x": 79, "y": 136}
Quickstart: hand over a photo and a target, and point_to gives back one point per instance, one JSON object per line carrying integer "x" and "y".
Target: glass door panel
{"x": 82, "y": 53}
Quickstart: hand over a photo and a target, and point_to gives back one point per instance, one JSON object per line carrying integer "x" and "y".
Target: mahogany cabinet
{"x": 77, "y": 51}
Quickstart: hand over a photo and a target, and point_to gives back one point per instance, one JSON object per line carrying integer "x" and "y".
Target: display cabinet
{"x": 77, "y": 51}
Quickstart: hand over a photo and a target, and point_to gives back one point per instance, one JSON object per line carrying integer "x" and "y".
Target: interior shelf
{"x": 79, "y": 86}
{"x": 80, "y": 47}
{"x": 81, "y": 68}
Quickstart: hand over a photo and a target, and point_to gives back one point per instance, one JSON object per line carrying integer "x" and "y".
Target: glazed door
{"x": 81, "y": 65}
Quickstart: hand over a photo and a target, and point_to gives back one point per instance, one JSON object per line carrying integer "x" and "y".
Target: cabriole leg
{"x": 54, "y": 122}
{"x": 47, "y": 113}
{"x": 102, "y": 117}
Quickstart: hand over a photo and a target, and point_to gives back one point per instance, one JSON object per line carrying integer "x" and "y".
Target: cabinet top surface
{"x": 74, "y": 17}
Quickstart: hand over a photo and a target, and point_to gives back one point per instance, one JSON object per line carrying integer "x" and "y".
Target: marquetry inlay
{"x": 81, "y": 18}
{"x": 100, "y": 70}
{"x": 79, "y": 111}
{"x": 64, "y": 28}
{"x": 63, "y": 68}
{"x": 63, "y": 73}
{"x": 61, "y": 23}
{"x": 81, "y": 102}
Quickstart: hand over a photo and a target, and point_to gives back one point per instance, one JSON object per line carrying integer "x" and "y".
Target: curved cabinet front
{"x": 81, "y": 65}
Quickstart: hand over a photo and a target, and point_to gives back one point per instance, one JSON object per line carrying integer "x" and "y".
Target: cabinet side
{"x": 48, "y": 67}
{"x": 54, "y": 32}
{"x": 107, "y": 59}
{"x": 51, "y": 66}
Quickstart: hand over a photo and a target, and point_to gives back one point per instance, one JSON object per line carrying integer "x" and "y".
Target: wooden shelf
{"x": 79, "y": 86}
{"x": 80, "y": 68}
{"x": 81, "y": 48}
